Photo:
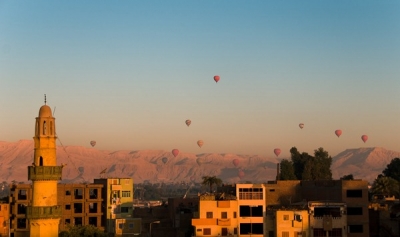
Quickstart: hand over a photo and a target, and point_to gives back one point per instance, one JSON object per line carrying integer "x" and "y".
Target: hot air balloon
{"x": 188, "y": 122}
{"x": 364, "y": 138}
{"x": 277, "y": 151}
{"x": 241, "y": 174}
{"x": 93, "y": 143}
{"x": 235, "y": 162}
{"x": 338, "y": 132}
{"x": 164, "y": 160}
{"x": 175, "y": 152}
{"x": 200, "y": 143}
{"x": 301, "y": 125}
{"x": 216, "y": 78}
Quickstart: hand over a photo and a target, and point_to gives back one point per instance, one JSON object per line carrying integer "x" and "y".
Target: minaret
{"x": 44, "y": 213}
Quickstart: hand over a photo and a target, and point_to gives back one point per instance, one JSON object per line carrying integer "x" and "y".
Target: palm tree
{"x": 210, "y": 181}
{"x": 386, "y": 186}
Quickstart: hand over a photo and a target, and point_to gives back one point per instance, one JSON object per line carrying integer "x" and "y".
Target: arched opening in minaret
{"x": 37, "y": 128}
{"x": 51, "y": 128}
{"x": 41, "y": 161}
{"x": 44, "y": 128}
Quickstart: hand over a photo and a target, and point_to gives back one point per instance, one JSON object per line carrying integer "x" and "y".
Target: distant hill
{"x": 365, "y": 163}
{"x": 86, "y": 164}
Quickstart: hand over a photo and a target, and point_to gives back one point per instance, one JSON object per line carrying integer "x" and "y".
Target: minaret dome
{"x": 45, "y": 111}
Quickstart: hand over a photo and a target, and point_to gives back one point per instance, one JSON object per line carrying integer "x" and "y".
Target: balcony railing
{"x": 52, "y": 212}
{"x": 44, "y": 173}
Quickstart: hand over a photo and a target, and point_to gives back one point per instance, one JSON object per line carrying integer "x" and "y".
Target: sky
{"x": 129, "y": 73}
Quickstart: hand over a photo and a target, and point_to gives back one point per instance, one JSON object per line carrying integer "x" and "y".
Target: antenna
{"x": 45, "y": 99}
{"x": 54, "y": 111}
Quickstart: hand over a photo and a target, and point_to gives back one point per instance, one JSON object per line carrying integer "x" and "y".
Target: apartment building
{"x": 4, "y": 219}
{"x": 217, "y": 216}
{"x": 118, "y": 206}
{"x": 81, "y": 205}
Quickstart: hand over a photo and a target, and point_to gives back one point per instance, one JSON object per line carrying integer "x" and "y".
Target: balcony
{"x": 224, "y": 222}
{"x": 44, "y": 173}
{"x": 53, "y": 212}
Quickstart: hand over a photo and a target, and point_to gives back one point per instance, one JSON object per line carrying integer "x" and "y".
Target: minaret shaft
{"x": 44, "y": 213}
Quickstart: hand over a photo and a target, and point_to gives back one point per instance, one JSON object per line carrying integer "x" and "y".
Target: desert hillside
{"x": 84, "y": 164}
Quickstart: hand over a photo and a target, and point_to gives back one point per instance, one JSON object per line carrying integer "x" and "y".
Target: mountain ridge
{"x": 84, "y": 164}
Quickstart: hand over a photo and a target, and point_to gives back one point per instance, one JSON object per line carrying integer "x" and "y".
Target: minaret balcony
{"x": 44, "y": 173}
{"x": 52, "y": 212}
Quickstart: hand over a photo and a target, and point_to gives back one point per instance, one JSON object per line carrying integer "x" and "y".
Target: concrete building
{"x": 217, "y": 216}
{"x": 118, "y": 206}
{"x": 81, "y": 205}
{"x": 43, "y": 212}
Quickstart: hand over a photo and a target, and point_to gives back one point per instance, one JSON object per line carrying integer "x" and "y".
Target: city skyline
{"x": 129, "y": 75}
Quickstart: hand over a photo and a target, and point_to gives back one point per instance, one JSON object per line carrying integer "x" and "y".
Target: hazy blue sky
{"x": 129, "y": 73}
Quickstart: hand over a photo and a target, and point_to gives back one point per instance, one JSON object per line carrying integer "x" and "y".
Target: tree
{"x": 84, "y": 231}
{"x": 347, "y": 177}
{"x": 386, "y": 186}
{"x": 307, "y": 167}
{"x": 287, "y": 170}
{"x": 210, "y": 181}
{"x": 393, "y": 169}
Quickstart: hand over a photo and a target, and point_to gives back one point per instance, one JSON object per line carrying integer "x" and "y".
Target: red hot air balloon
{"x": 364, "y": 138}
{"x": 216, "y": 78}
{"x": 188, "y": 122}
{"x": 241, "y": 174}
{"x": 92, "y": 143}
{"x": 277, "y": 151}
{"x": 301, "y": 125}
{"x": 175, "y": 152}
{"x": 235, "y": 162}
{"x": 338, "y": 132}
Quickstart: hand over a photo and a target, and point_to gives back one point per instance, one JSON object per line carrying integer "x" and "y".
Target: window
{"x": 21, "y": 223}
{"x": 78, "y": 208}
{"x": 209, "y": 214}
{"x": 355, "y": 229}
{"x": 126, "y": 193}
{"x": 78, "y": 220}
{"x": 131, "y": 225}
{"x": 354, "y": 193}
{"x": 354, "y": 211}
{"x": 207, "y": 231}
{"x": 78, "y": 193}
{"x": 124, "y": 209}
{"x": 93, "y": 221}
{"x": 67, "y": 192}
{"x": 285, "y": 233}
{"x": 121, "y": 226}
{"x": 234, "y": 215}
{"x": 245, "y": 211}
{"x": 272, "y": 190}
{"x": 21, "y": 209}
{"x": 300, "y": 234}
{"x": 250, "y": 193}
{"x": 22, "y": 194}
{"x": 127, "y": 181}
{"x": 93, "y": 193}
{"x": 92, "y": 207}
{"x": 68, "y": 207}
{"x": 224, "y": 215}
{"x": 285, "y": 217}
{"x": 67, "y": 221}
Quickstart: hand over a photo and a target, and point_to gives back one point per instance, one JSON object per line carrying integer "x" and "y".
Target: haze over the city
{"x": 129, "y": 73}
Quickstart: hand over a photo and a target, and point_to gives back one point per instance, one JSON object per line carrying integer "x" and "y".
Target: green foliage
{"x": 82, "y": 231}
{"x": 210, "y": 181}
{"x": 386, "y": 186}
{"x": 347, "y": 177}
{"x": 287, "y": 170}
{"x": 307, "y": 167}
{"x": 393, "y": 169}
